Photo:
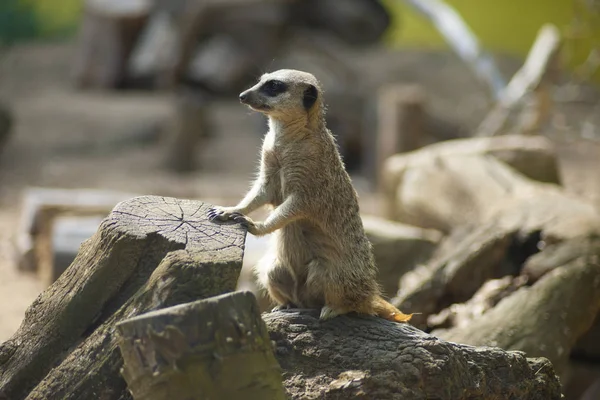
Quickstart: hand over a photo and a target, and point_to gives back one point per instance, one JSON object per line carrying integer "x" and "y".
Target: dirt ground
{"x": 69, "y": 139}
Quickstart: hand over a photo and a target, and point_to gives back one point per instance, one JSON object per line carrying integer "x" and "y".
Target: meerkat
{"x": 320, "y": 256}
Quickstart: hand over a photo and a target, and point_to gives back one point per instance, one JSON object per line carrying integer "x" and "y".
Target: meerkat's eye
{"x": 273, "y": 87}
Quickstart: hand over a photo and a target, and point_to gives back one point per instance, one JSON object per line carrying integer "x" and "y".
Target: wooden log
{"x": 370, "y": 358}
{"x": 40, "y": 207}
{"x": 454, "y": 190}
{"x": 186, "y": 129}
{"x": 400, "y": 122}
{"x": 559, "y": 254}
{"x": 217, "y": 348}
{"x": 494, "y": 247}
{"x": 538, "y": 67}
{"x": 65, "y": 348}
{"x": 66, "y": 237}
{"x": 544, "y": 320}
{"x": 534, "y": 157}
{"x": 398, "y": 248}
{"x": 109, "y": 31}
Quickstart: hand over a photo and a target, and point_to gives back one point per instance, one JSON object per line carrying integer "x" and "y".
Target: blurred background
{"x": 101, "y": 100}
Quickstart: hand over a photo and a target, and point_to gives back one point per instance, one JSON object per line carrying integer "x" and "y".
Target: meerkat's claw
{"x": 240, "y": 219}
{"x": 212, "y": 214}
{"x": 283, "y": 307}
{"x": 217, "y": 214}
{"x": 328, "y": 313}
{"x": 245, "y": 221}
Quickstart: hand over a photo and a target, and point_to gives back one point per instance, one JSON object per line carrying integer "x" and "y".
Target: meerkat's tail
{"x": 387, "y": 311}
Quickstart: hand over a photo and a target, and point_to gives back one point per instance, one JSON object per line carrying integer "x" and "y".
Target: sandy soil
{"x": 65, "y": 138}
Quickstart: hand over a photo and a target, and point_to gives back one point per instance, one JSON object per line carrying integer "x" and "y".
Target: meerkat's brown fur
{"x": 320, "y": 256}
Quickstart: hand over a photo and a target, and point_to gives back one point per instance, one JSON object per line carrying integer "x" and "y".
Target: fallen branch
{"x": 529, "y": 78}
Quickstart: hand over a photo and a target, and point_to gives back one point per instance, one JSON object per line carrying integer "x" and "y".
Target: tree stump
{"x": 186, "y": 129}
{"x": 109, "y": 31}
{"x": 149, "y": 253}
{"x": 217, "y": 348}
{"x": 352, "y": 357}
{"x": 401, "y": 123}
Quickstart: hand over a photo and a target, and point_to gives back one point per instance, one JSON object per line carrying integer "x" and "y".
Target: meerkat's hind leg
{"x": 277, "y": 280}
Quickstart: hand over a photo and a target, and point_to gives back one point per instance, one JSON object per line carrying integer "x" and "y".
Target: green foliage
{"x": 17, "y": 22}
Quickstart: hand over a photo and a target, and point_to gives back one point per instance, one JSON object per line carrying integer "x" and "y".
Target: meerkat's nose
{"x": 244, "y": 97}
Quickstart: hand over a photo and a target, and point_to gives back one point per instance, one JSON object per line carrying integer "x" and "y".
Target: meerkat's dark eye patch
{"x": 273, "y": 87}
{"x": 310, "y": 97}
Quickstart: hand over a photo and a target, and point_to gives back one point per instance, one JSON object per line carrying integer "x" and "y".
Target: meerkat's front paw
{"x": 220, "y": 213}
{"x": 328, "y": 313}
{"x": 245, "y": 221}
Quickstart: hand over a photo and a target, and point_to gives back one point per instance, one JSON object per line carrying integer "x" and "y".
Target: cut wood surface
{"x": 217, "y": 348}
{"x": 149, "y": 253}
{"x": 370, "y": 358}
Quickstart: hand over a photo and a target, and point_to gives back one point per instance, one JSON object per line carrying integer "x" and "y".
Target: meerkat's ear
{"x": 310, "y": 97}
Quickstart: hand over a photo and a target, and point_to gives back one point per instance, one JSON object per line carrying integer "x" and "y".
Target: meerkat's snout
{"x": 253, "y": 100}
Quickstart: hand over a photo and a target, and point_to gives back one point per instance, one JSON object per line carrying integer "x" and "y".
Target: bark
{"x": 370, "y": 358}
{"x": 65, "y": 348}
{"x": 167, "y": 356}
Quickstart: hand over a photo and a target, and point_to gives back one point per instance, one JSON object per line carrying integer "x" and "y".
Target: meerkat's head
{"x": 284, "y": 94}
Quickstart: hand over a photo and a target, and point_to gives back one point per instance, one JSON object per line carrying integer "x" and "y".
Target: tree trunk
{"x": 168, "y": 357}
{"x": 351, "y": 357}
{"x": 149, "y": 253}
